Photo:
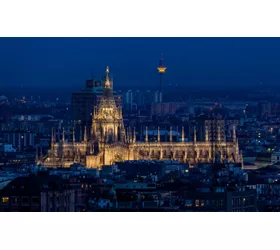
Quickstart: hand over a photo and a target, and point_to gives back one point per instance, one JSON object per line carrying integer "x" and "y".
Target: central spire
{"x": 107, "y": 81}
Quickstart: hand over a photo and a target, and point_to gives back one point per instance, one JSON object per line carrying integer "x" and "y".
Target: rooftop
{"x": 32, "y": 185}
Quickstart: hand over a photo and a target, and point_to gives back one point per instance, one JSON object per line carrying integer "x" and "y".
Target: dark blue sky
{"x": 191, "y": 62}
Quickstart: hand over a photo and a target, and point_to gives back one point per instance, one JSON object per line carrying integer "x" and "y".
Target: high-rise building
{"x": 140, "y": 99}
{"x": 20, "y": 139}
{"x": 135, "y": 100}
{"x": 128, "y": 100}
{"x": 264, "y": 108}
{"x": 129, "y": 97}
{"x": 166, "y": 108}
{"x": 158, "y": 97}
{"x": 83, "y": 102}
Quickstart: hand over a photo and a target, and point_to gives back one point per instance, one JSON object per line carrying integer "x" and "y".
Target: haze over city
{"x": 193, "y": 63}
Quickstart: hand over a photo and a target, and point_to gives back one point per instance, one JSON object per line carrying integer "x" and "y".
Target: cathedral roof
{"x": 107, "y": 100}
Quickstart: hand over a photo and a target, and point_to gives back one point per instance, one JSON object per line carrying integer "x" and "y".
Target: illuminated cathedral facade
{"x": 109, "y": 142}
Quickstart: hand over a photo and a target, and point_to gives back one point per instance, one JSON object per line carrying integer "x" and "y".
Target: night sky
{"x": 191, "y": 62}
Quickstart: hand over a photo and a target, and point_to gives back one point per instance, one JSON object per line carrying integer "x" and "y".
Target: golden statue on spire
{"x": 107, "y": 81}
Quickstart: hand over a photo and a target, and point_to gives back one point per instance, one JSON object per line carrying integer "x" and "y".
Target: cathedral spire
{"x": 219, "y": 134}
{"x": 130, "y": 134}
{"x": 94, "y": 111}
{"x": 233, "y": 133}
{"x": 183, "y": 134}
{"x": 85, "y": 134}
{"x": 146, "y": 137}
{"x": 194, "y": 135}
{"x": 107, "y": 81}
{"x": 134, "y": 137}
{"x": 206, "y": 134}
{"x": 53, "y": 137}
{"x": 73, "y": 135}
{"x": 127, "y": 134}
{"x": 236, "y": 156}
{"x": 158, "y": 135}
{"x": 63, "y": 136}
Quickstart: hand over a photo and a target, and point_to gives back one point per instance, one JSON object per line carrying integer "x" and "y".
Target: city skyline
{"x": 92, "y": 122}
{"x": 163, "y": 149}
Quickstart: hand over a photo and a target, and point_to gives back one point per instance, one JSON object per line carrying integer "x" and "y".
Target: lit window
{"x": 197, "y": 203}
{"x": 5, "y": 199}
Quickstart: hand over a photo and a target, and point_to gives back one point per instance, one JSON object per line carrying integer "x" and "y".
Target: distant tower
{"x": 161, "y": 70}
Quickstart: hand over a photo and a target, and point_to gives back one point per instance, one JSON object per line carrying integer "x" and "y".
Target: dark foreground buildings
{"x": 37, "y": 194}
